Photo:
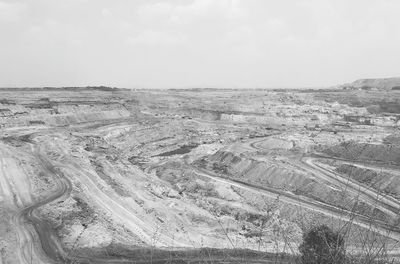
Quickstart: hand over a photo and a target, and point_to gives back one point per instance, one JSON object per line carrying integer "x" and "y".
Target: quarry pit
{"x": 95, "y": 175}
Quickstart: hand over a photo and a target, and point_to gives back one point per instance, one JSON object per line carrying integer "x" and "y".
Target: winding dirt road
{"x": 45, "y": 243}
{"x": 36, "y": 239}
{"x": 383, "y": 202}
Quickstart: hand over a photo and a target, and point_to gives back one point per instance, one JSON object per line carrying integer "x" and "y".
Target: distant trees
{"x": 321, "y": 245}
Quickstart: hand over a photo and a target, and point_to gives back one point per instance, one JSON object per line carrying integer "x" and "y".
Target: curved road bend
{"x": 389, "y": 204}
{"x": 40, "y": 241}
{"x": 383, "y": 202}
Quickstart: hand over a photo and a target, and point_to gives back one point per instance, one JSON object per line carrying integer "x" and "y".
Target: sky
{"x": 197, "y": 43}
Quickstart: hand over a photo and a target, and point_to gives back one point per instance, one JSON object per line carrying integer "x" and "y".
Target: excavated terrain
{"x": 103, "y": 175}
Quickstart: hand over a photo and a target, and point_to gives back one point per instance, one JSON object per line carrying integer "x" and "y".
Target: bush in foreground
{"x": 321, "y": 245}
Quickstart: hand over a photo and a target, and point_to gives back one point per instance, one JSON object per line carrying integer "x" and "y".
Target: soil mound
{"x": 351, "y": 150}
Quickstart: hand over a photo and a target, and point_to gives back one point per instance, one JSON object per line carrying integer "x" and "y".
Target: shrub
{"x": 321, "y": 245}
{"x": 192, "y": 187}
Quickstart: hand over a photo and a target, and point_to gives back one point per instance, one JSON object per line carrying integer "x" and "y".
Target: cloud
{"x": 11, "y": 11}
{"x": 106, "y": 12}
{"x": 203, "y": 25}
{"x": 157, "y": 38}
{"x": 196, "y": 9}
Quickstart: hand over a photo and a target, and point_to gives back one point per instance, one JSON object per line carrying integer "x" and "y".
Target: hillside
{"x": 378, "y": 83}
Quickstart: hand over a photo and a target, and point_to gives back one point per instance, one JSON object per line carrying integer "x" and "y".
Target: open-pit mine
{"x": 107, "y": 175}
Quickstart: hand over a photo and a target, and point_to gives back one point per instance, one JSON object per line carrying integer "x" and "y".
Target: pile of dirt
{"x": 356, "y": 151}
{"x": 274, "y": 175}
{"x": 393, "y": 139}
{"x": 383, "y": 181}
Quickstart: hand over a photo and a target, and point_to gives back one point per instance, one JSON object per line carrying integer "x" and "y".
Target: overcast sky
{"x": 197, "y": 43}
